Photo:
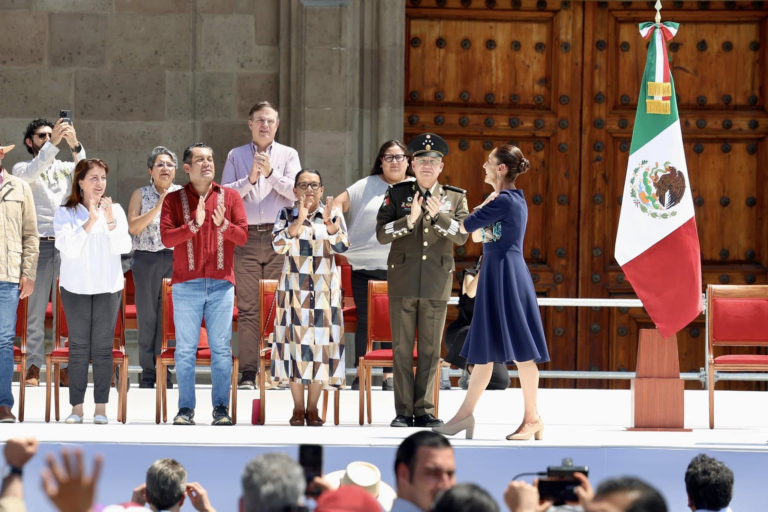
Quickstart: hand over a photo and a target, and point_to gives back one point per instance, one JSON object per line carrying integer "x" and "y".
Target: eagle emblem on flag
{"x": 656, "y": 190}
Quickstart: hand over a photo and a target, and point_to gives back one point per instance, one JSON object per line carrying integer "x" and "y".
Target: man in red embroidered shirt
{"x": 203, "y": 222}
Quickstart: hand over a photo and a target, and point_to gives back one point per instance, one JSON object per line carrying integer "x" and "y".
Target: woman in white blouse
{"x": 91, "y": 234}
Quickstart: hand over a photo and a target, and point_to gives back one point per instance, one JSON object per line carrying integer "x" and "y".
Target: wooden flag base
{"x": 657, "y": 389}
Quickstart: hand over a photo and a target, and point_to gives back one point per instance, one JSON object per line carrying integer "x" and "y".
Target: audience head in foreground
{"x": 626, "y": 494}
{"x": 424, "y": 466}
{"x": 709, "y": 484}
{"x": 465, "y": 498}
{"x": 272, "y": 482}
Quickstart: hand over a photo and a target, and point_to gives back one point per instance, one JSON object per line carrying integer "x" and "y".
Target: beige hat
{"x": 6, "y": 149}
{"x": 367, "y": 476}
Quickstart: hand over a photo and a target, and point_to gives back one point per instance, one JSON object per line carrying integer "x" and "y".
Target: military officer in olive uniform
{"x": 421, "y": 220}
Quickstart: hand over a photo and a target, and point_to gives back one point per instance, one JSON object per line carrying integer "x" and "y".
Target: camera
{"x": 559, "y": 486}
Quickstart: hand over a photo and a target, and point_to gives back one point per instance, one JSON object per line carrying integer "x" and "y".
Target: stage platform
{"x": 585, "y": 425}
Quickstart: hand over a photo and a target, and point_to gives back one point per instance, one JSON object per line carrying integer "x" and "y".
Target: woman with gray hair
{"x": 152, "y": 261}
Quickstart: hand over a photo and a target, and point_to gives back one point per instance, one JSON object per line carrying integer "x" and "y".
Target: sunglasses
{"x": 43, "y": 136}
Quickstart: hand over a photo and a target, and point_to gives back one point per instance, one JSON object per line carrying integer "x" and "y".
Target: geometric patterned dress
{"x": 309, "y": 325}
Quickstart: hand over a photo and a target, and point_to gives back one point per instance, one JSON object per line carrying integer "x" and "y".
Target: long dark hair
{"x": 82, "y": 168}
{"x": 383, "y": 149}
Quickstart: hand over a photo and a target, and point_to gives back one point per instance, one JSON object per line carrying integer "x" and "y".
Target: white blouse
{"x": 90, "y": 261}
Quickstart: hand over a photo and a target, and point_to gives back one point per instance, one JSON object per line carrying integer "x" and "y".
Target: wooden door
{"x": 718, "y": 64}
{"x": 560, "y": 79}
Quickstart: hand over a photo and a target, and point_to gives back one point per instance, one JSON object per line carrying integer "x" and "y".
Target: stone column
{"x": 341, "y": 83}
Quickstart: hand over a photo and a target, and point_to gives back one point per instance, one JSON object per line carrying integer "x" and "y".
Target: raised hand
{"x": 200, "y": 212}
{"x": 304, "y": 203}
{"x": 58, "y": 132}
{"x": 93, "y": 208}
{"x": 139, "y": 496}
{"x": 218, "y": 215}
{"x": 262, "y": 160}
{"x": 19, "y": 450}
{"x": 255, "y": 172}
{"x": 105, "y": 203}
{"x": 70, "y": 135}
{"x": 433, "y": 206}
{"x": 199, "y": 497}
{"x": 69, "y": 488}
{"x": 416, "y": 207}
{"x": 327, "y": 211}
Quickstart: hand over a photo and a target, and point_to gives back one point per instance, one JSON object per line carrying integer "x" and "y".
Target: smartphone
{"x": 66, "y": 115}
{"x": 558, "y": 490}
{"x": 311, "y": 459}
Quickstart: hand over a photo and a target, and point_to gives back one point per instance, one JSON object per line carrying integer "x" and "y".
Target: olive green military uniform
{"x": 419, "y": 278}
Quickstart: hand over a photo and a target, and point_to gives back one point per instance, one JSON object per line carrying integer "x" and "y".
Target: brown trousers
{"x": 254, "y": 261}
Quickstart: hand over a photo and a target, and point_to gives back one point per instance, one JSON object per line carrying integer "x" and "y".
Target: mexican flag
{"x": 657, "y": 245}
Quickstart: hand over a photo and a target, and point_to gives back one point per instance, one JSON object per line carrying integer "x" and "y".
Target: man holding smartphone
{"x": 51, "y": 181}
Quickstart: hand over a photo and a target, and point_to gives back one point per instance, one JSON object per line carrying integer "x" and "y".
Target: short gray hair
{"x": 161, "y": 150}
{"x": 272, "y": 482}
{"x": 166, "y": 483}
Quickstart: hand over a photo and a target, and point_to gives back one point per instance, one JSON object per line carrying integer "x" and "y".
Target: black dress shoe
{"x": 401, "y": 421}
{"x": 356, "y": 384}
{"x": 146, "y": 384}
{"x": 428, "y": 421}
{"x": 388, "y": 384}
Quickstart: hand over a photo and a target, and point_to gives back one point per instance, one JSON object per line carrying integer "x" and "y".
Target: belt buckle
{"x": 262, "y": 227}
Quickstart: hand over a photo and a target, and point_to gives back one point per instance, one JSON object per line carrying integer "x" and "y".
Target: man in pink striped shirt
{"x": 263, "y": 172}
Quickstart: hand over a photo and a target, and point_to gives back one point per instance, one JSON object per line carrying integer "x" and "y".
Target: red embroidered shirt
{"x": 207, "y": 252}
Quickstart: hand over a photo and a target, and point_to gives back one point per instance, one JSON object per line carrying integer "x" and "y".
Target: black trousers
{"x": 91, "y": 320}
{"x": 360, "y": 280}
{"x": 149, "y": 270}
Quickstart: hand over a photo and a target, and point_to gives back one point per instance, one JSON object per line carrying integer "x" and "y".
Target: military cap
{"x": 428, "y": 144}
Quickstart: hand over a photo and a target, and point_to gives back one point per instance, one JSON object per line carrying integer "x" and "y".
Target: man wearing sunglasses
{"x": 51, "y": 181}
{"x": 421, "y": 220}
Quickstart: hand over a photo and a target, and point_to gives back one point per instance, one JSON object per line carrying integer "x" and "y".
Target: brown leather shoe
{"x": 32, "y": 380}
{"x": 313, "y": 418}
{"x": 297, "y": 420}
{"x": 6, "y": 416}
{"x": 64, "y": 379}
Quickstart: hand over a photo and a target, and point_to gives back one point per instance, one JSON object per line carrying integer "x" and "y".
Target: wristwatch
{"x": 77, "y": 148}
{"x": 10, "y": 470}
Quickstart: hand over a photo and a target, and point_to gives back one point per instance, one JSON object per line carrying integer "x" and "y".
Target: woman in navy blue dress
{"x": 507, "y": 326}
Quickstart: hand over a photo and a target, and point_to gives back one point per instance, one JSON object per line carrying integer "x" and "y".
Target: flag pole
{"x": 658, "y": 11}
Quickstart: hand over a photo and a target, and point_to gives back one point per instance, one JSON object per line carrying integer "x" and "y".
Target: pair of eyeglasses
{"x": 43, "y": 136}
{"x": 164, "y": 165}
{"x": 305, "y": 186}
{"x": 268, "y": 122}
{"x": 426, "y": 160}
{"x": 396, "y": 158}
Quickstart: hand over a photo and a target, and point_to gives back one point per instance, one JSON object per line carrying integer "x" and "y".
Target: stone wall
{"x": 141, "y": 73}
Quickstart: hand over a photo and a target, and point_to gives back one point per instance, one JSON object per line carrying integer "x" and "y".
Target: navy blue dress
{"x": 506, "y": 326}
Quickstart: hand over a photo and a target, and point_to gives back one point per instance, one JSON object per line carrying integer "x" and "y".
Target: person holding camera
{"x": 506, "y": 327}
{"x": 51, "y": 181}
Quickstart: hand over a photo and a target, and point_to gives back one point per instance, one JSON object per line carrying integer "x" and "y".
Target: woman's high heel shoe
{"x": 467, "y": 424}
{"x": 528, "y": 430}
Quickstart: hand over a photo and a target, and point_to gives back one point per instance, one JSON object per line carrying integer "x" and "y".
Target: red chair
{"x": 130, "y": 301}
{"x": 166, "y": 358}
{"x": 379, "y": 330}
{"x": 349, "y": 309}
{"x": 737, "y": 316}
{"x": 20, "y": 353}
{"x": 267, "y": 288}
{"x": 60, "y": 355}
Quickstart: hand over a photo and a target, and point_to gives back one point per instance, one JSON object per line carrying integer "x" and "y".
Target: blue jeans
{"x": 193, "y": 301}
{"x": 9, "y": 301}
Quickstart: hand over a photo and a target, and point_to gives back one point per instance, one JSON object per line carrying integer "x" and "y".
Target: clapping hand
{"x": 416, "y": 207}
{"x": 218, "y": 215}
{"x": 332, "y": 226}
{"x": 200, "y": 212}
{"x": 433, "y": 206}
{"x": 69, "y": 488}
{"x": 262, "y": 160}
{"x": 105, "y": 203}
{"x": 488, "y": 199}
{"x": 304, "y": 203}
{"x": 93, "y": 208}
{"x": 255, "y": 173}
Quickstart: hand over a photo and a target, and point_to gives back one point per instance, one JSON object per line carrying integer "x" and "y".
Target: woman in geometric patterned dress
{"x": 308, "y": 349}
